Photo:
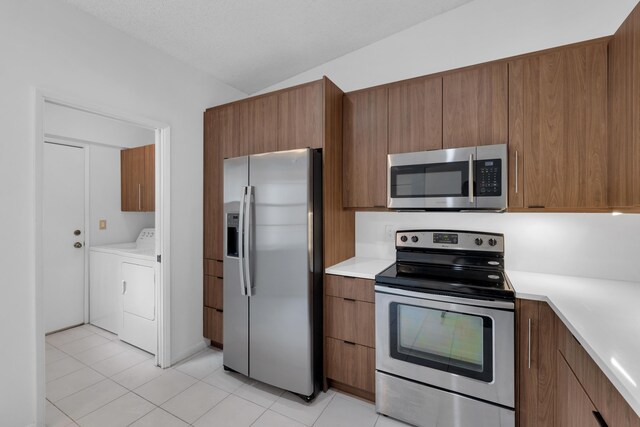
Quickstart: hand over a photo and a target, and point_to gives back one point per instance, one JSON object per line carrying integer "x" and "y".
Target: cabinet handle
{"x": 349, "y": 342}
{"x": 598, "y": 416}
{"x": 139, "y": 197}
{"x": 349, "y": 299}
{"x": 529, "y": 350}
{"x": 124, "y": 287}
{"x": 516, "y": 171}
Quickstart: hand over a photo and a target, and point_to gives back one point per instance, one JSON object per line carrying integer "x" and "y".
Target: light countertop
{"x": 603, "y": 315}
{"x": 365, "y": 268}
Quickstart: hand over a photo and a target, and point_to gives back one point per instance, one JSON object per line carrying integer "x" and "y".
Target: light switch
{"x": 103, "y": 224}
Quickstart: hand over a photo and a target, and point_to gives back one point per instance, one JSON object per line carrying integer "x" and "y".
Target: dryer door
{"x": 139, "y": 297}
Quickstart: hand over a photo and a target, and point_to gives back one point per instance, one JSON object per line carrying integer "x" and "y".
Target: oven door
{"x": 457, "y": 344}
{"x": 432, "y": 179}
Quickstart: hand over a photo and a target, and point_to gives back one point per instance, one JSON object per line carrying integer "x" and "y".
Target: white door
{"x": 63, "y": 236}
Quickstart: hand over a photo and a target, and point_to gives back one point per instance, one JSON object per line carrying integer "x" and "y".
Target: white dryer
{"x": 123, "y": 290}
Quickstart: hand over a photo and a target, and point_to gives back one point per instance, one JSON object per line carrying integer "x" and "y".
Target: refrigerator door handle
{"x": 241, "y": 233}
{"x": 247, "y": 227}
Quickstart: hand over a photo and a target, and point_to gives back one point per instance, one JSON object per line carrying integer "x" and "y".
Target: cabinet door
{"x": 149, "y": 179}
{"x": 225, "y": 131}
{"x": 365, "y": 148}
{"x": 574, "y": 407}
{"x": 300, "y": 117}
{"x": 213, "y": 325}
{"x": 528, "y": 363}
{"x": 258, "y": 124}
{"x": 564, "y": 127}
{"x": 415, "y": 116}
{"x": 624, "y": 114}
{"x": 132, "y": 165}
{"x": 537, "y": 347}
{"x": 475, "y": 106}
{"x": 218, "y": 134}
{"x": 213, "y": 292}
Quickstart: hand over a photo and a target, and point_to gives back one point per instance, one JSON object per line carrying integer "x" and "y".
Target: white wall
{"x": 587, "y": 245}
{"x": 49, "y": 45}
{"x": 479, "y": 31}
{"x": 104, "y": 200}
{"x": 60, "y": 121}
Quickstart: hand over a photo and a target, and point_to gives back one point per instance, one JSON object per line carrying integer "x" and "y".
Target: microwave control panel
{"x": 489, "y": 177}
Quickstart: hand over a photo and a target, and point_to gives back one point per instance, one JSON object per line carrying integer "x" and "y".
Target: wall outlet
{"x": 390, "y": 232}
{"x": 103, "y": 224}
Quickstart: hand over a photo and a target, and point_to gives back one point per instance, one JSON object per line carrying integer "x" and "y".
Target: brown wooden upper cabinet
{"x": 624, "y": 114}
{"x": 216, "y": 132}
{"x": 226, "y": 131}
{"x": 137, "y": 179}
{"x": 300, "y": 117}
{"x": 415, "y": 116}
{"x": 365, "y": 148}
{"x": 258, "y": 125}
{"x": 558, "y": 110}
{"x": 475, "y": 106}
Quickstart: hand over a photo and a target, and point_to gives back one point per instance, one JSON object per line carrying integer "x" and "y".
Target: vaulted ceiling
{"x": 252, "y": 44}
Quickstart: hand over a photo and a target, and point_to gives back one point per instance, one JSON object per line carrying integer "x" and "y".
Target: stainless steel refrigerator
{"x": 273, "y": 269}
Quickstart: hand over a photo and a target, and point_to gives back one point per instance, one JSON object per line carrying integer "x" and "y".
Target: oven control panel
{"x": 446, "y": 239}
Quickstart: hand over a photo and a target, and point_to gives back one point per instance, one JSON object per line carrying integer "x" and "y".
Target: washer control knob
{"x": 403, "y": 238}
{"x": 478, "y": 241}
{"x": 414, "y": 239}
{"x": 492, "y": 242}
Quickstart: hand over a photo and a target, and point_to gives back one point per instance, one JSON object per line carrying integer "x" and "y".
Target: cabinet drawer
{"x": 351, "y": 364}
{"x": 213, "y": 324}
{"x": 350, "y": 287}
{"x": 213, "y": 292}
{"x": 213, "y": 267}
{"x": 351, "y": 320}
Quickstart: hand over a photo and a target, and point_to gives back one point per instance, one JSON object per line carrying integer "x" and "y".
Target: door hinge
{"x": 159, "y": 258}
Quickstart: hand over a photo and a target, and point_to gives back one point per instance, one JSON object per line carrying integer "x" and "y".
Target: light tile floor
{"x": 94, "y": 379}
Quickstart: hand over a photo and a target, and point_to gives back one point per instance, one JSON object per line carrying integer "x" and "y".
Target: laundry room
{"x": 98, "y": 228}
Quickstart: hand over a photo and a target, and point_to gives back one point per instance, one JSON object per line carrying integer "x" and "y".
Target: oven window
{"x": 430, "y": 180}
{"x": 454, "y": 342}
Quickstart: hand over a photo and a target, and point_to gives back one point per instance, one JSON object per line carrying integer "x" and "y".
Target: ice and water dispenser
{"x": 233, "y": 223}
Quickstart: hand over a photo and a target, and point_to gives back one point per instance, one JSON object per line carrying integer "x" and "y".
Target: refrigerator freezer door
{"x": 236, "y": 305}
{"x": 281, "y": 350}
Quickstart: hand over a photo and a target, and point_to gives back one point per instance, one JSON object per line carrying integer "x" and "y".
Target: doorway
{"x": 52, "y": 196}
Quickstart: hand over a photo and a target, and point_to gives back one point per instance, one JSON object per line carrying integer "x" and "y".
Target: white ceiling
{"x": 252, "y": 44}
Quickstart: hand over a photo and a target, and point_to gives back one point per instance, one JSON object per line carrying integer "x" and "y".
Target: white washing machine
{"x": 123, "y": 291}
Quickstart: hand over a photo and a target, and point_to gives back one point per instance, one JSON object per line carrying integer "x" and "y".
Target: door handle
{"x": 124, "y": 287}
{"x": 471, "y": 179}
{"x": 516, "y": 171}
{"x": 247, "y": 240}
{"x": 529, "y": 344}
{"x": 77, "y": 245}
{"x": 243, "y": 289}
{"x": 77, "y": 232}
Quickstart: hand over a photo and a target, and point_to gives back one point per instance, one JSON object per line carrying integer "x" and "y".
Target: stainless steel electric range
{"x": 445, "y": 331}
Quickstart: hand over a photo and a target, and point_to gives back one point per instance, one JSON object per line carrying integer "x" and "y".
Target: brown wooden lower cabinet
{"x": 351, "y": 364}
{"x": 559, "y": 384}
{"x": 213, "y": 325}
{"x": 574, "y": 407}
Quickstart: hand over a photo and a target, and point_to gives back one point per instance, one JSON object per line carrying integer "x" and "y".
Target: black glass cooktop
{"x": 469, "y": 277}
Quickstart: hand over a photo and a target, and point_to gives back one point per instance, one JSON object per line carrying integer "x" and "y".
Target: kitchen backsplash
{"x": 588, "y": 245}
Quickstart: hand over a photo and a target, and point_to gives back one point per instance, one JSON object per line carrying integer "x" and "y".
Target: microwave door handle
{"x": 247, "y": 241}
{"x": 471, "y": 179}
{"x": 241, "y": 231}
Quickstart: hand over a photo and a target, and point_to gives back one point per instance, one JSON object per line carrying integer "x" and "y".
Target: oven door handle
{"x": 471, "y": 179}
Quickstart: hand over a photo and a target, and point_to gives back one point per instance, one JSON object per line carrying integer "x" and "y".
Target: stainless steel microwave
{"x": 456, "y": 179}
